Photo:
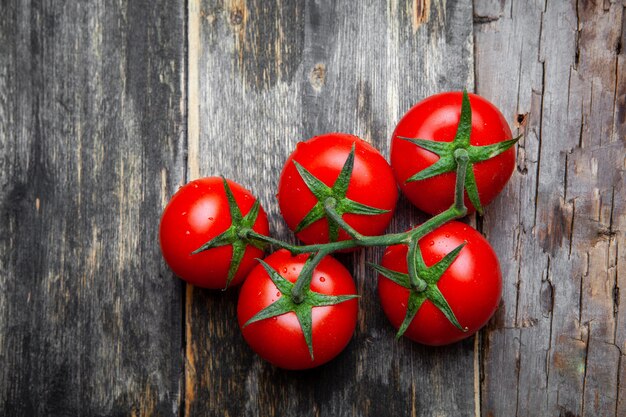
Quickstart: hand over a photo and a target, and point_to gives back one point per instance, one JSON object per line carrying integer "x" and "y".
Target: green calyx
{"x": 421, "y": 281}
{"x": 235, "y": 234}
{"x": 335, "y": 195}
{"x": 446, "y": 152}
{"x": 298, "y": 298}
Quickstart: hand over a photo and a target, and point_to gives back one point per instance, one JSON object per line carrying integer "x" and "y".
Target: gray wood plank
{"x": 556, "y": 347}
{"x": 92, "y": 145}
{"x": 263, "y": 76}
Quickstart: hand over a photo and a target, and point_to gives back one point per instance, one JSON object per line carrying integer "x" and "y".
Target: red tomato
{"x": 197, "y": 213}
{"x": 371, "y": 184}
{"x": 472, "y": 285}
{"x": 280, "y": 340}
{"x": 436, "y": 118}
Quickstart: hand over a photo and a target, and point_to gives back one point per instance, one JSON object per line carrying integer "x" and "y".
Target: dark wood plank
{"x": 92, "y": 145}
{"x": 557, "y": 345}
{"x": 262, "y": 76}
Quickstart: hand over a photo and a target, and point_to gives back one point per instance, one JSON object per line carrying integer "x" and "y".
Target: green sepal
{"x": 231, "y": 235}
{"x": 303, "y": 310}
{"x": 444, "y": 164}
{"x": 420, "y": 273}
{"x": 415, "y": 302}
{"x": 464, "y": 128}
{"x": 338, "y": 191}
{"x": 482, "y": 153}
{"x": 395, "y": 276}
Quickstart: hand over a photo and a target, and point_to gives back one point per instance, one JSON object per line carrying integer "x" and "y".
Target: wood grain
{"x": 272, "y": 74}
{"x": 556, "y": 346}
{"x": 92, "y": 146}
{"x": 107, "y": 107}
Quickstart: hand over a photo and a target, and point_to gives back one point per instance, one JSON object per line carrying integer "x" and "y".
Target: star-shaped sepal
{"x": 445, "y": 151}
{"x": 421, "y": 281}
{"x": 324, "y": 193}
{"x": 286, "y": 303}
{"x": 233, "y": 235}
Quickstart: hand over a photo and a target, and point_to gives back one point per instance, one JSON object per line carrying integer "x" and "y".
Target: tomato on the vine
{"x": 280, "y": 339}
{"x": 196, "y": 214}
{"x": 436, "y": 119}
{"x": 471, "y": 285}
{"x": 342, "y": 167}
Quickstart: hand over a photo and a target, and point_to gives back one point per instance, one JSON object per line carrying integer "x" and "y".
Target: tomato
{"x": 197, "y": 213}
{"x": 280, "y": 340}
{"x": 472, "y": 285}
{"x": 435, "y": 119}
{"x": 368, "y": 203}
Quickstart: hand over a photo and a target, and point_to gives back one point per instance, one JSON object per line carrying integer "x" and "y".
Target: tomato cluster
{"x": 438, "y": 283}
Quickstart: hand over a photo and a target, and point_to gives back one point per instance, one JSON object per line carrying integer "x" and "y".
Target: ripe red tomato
{"x": 436, "y": 118}
{"x": 472, "y": 285}
{"x": 371, "y": 184}
{"x": 198, "y": 212}
{"x": 280, "y": 340}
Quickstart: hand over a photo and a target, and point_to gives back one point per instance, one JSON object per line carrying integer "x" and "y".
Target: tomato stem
{"x": 456, "y": 211}
{"x": 304, "y": 278}
{"x": 330, "y": 205}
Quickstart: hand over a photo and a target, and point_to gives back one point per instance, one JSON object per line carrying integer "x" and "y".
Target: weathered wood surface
{"x": 105, "y": 108}
{"x": 267, "y": 76}
{"x": 92, "y": 145}
{"x": 557, "y": 344}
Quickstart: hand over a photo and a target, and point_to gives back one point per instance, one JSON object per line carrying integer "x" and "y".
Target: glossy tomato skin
{"x": 197, "y": 213}
{"x": 436, "y": 118}
{"x": 372, "y": 183}
{"x": 279, "y": 340}
{"x": 472, "y": 285}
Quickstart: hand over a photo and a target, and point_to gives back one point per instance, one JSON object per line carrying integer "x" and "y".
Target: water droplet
{"x": 274, "y": 318}
{"x": 432, "y": 242}
{"x": 465, "y": 228}
{"x": 259, "y": 294}
{"x": 322, "y": 279}
{"x": 278, "y": 294}
{"x": 402, "y": 305}
{"x": 447, "y": 234}
{"x": 195, "y": 185}
{"x": 187, "y": 232}
{"x": 184, "y": 213}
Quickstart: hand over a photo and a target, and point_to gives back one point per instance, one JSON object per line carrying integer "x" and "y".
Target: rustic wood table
{"x": 107, "y": 107}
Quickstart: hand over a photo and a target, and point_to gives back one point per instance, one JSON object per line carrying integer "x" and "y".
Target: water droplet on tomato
{"x": 285, "y": 270}
{"x": 447, "y": 234}
{"x": 278, "y": 294}
{"x": 184, "y": 213}
{"x": 195, "y": 185}
{"x": 465, "y": 228}
{"x": 187, "y": 232}
{"x": 432, "y": 242}
{"x": 274, "y": 318}
{"x": 402, "y": 305}
{"x": 322, "y": 279}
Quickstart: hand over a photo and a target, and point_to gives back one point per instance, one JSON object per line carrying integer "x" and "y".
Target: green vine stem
{"x": 411, "y": 237}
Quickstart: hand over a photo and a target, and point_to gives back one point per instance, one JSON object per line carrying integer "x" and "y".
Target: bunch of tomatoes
{"x": 438, "y": 283}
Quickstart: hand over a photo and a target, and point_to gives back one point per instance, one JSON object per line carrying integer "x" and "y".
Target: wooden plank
{"x": 556, "y": 346}
{"x": 264, "y": 75}
{"x": 92, "y": 145}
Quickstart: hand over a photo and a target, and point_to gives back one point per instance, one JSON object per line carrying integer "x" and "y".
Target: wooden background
{"x": 106, "y": 107}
